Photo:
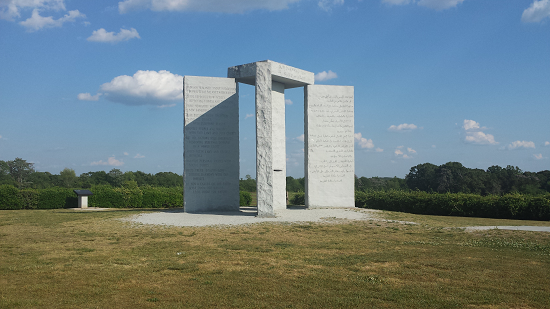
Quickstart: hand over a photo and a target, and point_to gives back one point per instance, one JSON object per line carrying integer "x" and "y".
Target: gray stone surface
{"x": 329, "y": 146}
{"x": 270, "y": 79}
{"x": 211, "y": 144}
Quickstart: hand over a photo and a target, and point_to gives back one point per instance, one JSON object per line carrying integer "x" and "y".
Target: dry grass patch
{"x": 65, "y": 259}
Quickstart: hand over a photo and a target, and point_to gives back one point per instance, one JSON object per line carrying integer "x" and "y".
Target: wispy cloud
{"x": 405, "y": 127}
{"x": 547, "y": 143}
{"x": 520, "y": 144}
{"x": 432, "y": 4}
{"x": 538, "y": 11}
{"x": 11, "y": 9}
{"x": 474, "y": 134}
{"x": 248, "y": 116}
{"x": 218, "y": 6}
{"x": 538, "y": 156}
{"x": 88, "y": 97}
{"x": 300, "y": 138}
{"x": 288, "y": 102}
{"x": 37, "y": 22}
{"x": 111, "y": 161}
{"x": 101, "y": 35}
{"x": 363, "y": 142}
{"x": 138, "y": 156}
{"x": 327, "y": 5}
{"x": 324, "y": 76}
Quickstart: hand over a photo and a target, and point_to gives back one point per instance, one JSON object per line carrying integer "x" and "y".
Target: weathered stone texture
{"x": 329, "y": 146}
{"x": 211, "y": 144}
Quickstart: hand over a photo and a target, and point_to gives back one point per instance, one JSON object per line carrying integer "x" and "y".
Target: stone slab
{"x": 211, "y": 144}
{"x": 329, "y": 146}
{"x": 291, "y": 77}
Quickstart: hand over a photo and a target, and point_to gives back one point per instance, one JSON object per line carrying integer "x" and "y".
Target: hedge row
{"x": 104, "y": 196}
{"x": 509, "y": 206}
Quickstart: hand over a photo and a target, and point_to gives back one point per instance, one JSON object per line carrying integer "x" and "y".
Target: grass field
{"x": 67, "y": 259}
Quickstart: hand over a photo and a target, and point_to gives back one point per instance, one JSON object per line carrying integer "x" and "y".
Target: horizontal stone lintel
{"x": 291, "y": 77}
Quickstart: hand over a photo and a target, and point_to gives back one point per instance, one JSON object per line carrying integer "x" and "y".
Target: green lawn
{"x": 68, "y": 259}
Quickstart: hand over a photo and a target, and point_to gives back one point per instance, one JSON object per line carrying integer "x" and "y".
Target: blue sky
{"x": 96, "y": 85}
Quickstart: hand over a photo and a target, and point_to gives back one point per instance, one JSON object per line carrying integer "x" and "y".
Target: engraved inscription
{"x": 211, "y": 143}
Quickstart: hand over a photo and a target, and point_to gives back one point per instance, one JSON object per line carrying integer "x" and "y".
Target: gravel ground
{"x": 247, "y": 215}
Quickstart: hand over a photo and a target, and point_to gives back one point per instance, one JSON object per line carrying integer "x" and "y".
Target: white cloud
{"x": 432, "y": 4}
{"x": 547, "y": 144}
{"x": 126, "y": 153}
{"x": 398, "y": 152}
{"x": 37, "y": 22}
{"x": 521, "y": 144}
{"x": 138, "y": 156}
{"x": 539, "y": 10}
{"x": 379, "y": 150}
{"x": 396, "y": 2}
{"x": 475, "y": 135}
{"x": 410, "y": 150}
{"x": 363, "y": 142}
{"x": 288, "y": 102}
{"x": 402, "y": 127}
{"x": 323, "y": 76}
{"x": 538, "y": 156}
{"x": 111, "y": 162}
{"x": 88, "y": 97}
{"x": 480, "y": 138}
{"x": 439, "y": 4}
{"x": 327, "y": 5}
{"x": 101, "y": 35}
{"x": 248, "y": 116}
{"x": 470, "y": 125}
{"x": 219, "y": 6}
{"x": 145, "y": 88}
{"x": 300, "y": 138}
{"x": 0, "y": 136}
{"x": 11, "y": 9}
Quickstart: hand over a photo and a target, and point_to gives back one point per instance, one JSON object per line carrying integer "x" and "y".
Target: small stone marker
{"x": 83, "y": 197}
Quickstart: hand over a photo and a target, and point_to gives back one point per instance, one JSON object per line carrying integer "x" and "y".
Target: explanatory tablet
{"x": 329, "y": 144}
{"x": 211, "y": 144}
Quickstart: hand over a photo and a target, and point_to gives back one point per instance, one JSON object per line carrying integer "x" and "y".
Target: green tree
{"x": 20, "y": 170}
{"x": 67, "y": 178}
{"x": 422, "y": 177}
{"x": 41, "y": 180}
{"x": 248, "y": 184}
{"x": 115, "y": 177}
{"x": 169, "y": 179}
{"x": 5, "y": 177}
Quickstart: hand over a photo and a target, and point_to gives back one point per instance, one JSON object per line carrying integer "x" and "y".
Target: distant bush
{"x": 9, "y": 197}
{"x": 29, "y": 198}
{"x": 56, "y": 197}
{"x": 298, "y": 199}
{"x": 509, "y": 206}
{"x": 156, "y": 197}
{"x": 104, "y": 196}
{"x": 245, "y": 198}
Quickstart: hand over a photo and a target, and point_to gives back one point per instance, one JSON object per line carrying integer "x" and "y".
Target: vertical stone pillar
{"x": 264, "y": 140}
{"x": 270, "y": 79}
{"x": 279, "y": 145}
{"x": 329, "y": 146}
{"x": 211, "y": 144}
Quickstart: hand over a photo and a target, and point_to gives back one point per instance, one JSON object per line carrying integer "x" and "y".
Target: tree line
{"x": 451, "y": 177}
{"x": 21, "y": 174}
